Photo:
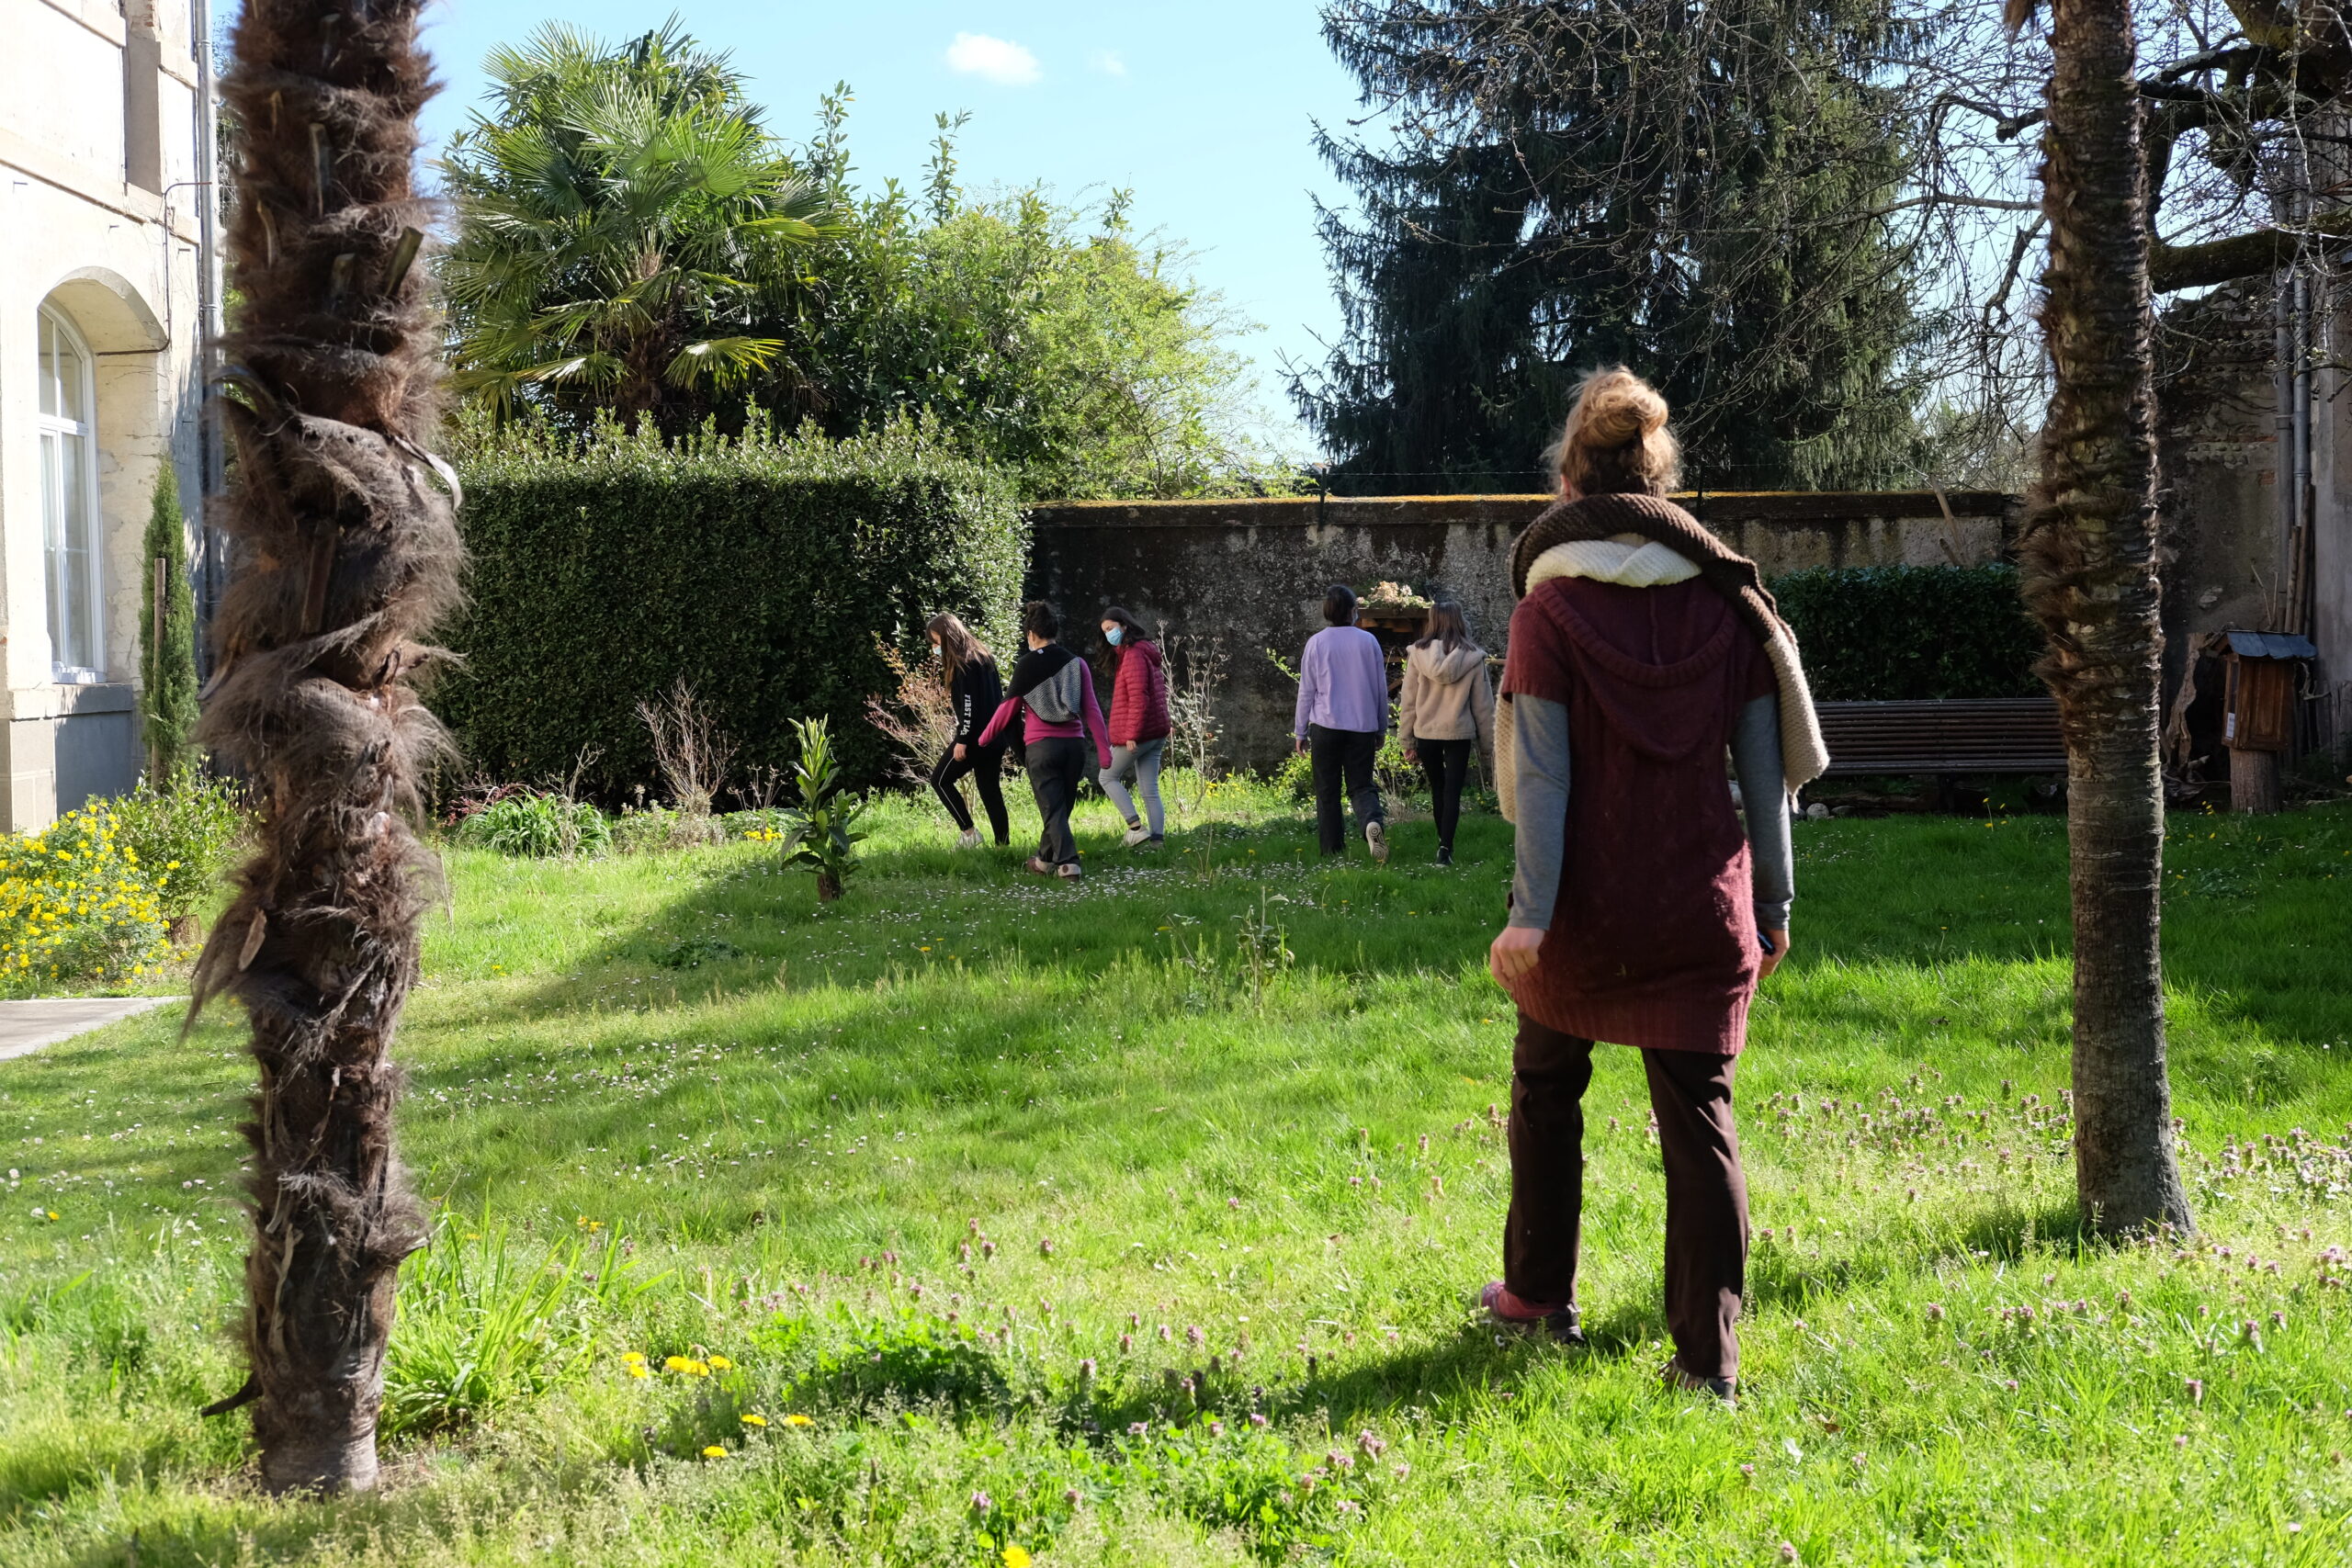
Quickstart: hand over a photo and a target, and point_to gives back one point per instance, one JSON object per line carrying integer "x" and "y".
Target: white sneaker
{"x": 1069, "y": 871}
{"x": 1376, "y": 835}
{"x": 1136, "y": 835}
{"x": 970, "y": 839}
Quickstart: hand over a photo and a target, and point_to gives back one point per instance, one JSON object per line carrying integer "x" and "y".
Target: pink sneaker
{"x": 1507, "y": 1310}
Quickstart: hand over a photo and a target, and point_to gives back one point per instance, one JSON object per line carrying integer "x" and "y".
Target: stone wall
{"x": 1242, "y": 577}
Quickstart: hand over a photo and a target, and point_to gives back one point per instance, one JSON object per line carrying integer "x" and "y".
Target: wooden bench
{"x": 1945, "y": 739}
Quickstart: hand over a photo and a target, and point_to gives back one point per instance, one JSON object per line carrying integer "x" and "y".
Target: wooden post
{"x": 2253, "y": 783}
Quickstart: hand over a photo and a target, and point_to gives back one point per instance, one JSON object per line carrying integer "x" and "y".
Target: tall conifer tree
{"x": 1697, "y": 190}
{"x": 166, "y": 651}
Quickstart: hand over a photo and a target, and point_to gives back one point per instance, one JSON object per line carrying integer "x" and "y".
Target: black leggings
{"x": 1447, "y": 763}
{"x": 987, "y": 769}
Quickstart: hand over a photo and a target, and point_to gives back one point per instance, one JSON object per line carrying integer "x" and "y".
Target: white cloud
{"x": 994, "y": 59}
{"x": 1107, "y": 60}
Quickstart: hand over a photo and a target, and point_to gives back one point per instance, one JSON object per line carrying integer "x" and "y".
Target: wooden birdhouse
{"x": 2258, "y": 712}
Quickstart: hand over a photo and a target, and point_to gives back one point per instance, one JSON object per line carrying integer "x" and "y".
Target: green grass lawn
{"x": 1080, "y": 1221}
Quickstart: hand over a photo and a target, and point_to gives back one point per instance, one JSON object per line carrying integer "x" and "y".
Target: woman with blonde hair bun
{"x": 1642, "y": 913}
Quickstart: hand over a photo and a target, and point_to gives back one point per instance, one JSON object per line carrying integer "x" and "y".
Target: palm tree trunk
{"x": 2088, "y": 555}
{"x": 344, "y": 553}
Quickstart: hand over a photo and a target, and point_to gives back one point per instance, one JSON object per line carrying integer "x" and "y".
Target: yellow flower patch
{"x": 75, "y": 908}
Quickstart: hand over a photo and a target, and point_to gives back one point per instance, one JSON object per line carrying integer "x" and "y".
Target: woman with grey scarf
{"x": 1054, "y": 688}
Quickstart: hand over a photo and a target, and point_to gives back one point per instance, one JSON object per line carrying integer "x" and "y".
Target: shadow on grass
{"x": 737, "y": 922}
{"x": 1923, "y": 892}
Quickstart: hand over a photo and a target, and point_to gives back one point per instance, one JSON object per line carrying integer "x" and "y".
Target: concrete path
{"x": 26, "y": 1027}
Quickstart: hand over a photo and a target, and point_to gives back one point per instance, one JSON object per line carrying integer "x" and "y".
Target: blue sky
{"x": 1203, "y": 108}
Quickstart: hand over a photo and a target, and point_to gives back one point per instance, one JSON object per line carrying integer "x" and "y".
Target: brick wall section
{"x": 1249, "y": 575}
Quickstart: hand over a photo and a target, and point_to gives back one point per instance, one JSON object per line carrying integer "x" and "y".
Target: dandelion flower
{"x": 638, "y": 1370}
{"x": 714, "y": 1451}
{"x": 676, "y": 1363}
{"x": 719, "y": 1364}
{"x": 1015, "y": 1558}
{"x": 750, "y": 1420}
{"x": 798, "y": 1421}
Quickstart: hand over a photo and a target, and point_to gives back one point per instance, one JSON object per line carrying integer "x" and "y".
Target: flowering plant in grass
{"x": 77, "y": 907}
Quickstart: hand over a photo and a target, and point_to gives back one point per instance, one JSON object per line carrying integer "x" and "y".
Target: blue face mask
{"x": 1112, "y": 637}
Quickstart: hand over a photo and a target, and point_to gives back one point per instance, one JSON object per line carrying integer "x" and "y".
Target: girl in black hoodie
{"x": 974, "y": 691}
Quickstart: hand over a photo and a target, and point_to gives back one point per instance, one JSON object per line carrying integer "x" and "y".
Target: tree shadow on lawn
{"x": 733, "y": 929}
{"x": 741, "y": 927}
{"x": 1920, "y": 894}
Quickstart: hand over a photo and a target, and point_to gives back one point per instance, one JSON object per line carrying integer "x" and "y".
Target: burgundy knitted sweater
{"x": 1653, "y": 941}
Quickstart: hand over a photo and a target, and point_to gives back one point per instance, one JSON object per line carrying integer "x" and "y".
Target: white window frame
{"x": 53, "y": 566}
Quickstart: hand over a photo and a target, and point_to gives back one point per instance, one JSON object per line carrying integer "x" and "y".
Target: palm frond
{"x": 722, "y": 361}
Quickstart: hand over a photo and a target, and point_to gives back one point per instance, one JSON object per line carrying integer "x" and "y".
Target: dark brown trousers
{"x": 1706, "y": 1195}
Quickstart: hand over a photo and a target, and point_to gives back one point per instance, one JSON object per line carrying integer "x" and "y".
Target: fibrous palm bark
{"x": 2089, "y": 553}
{"x": 345, "y": 553}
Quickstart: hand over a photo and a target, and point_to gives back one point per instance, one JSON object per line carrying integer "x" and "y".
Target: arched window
{"x": 68, "y": 477}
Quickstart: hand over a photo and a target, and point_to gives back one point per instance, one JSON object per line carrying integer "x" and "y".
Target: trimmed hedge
{"x": 761, "y": 571}
{"x": 1899, "y": 633}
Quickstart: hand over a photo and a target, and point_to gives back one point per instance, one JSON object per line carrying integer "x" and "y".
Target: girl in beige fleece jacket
{"x": 1448, "y": 706}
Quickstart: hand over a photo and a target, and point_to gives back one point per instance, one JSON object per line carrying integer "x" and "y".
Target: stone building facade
{"x": 2230, "y": 473}
{"x": 103, "y": 137}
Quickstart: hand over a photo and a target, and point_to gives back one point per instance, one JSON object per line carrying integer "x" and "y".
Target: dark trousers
{"x": 1338, "y": 755}
{"x": 1447, "y": 763}
{"x": 987, "y": 770}
{"x": 1056, "y": 765}
{"x": 1706, "y": 1195}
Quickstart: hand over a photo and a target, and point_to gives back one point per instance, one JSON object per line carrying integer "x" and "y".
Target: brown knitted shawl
{"x": 1654, "y": 517}
{"x": 1803, "y": 757}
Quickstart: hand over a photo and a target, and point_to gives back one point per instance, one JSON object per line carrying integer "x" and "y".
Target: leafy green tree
{"x": 1699, "y": 192}
{"x": 167, "y": 653}
{"x": 626, "y": 226}
{"x": 631, "y": 238}
{"x": 1053, "y": 341}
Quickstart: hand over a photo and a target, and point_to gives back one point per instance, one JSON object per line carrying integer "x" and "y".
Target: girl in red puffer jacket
{"x": 1138, "y": 724}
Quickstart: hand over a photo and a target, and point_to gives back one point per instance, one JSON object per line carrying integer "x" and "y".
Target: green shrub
{"x": 645, "y": 831}
{"x": 535, "y": 826}
{"x": 823, "y": 834}
{"x": 1397, "y": 778}
{"x": 75, "y": 907}
{"x": 1296, "y": 776}
{"x": 761, "y": 571}
{"x": 1897, "y": 633}
{"x": 185, "y": 836}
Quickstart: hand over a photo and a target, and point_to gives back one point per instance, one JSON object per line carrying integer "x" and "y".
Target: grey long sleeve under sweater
{"x": 1540, "y": 746}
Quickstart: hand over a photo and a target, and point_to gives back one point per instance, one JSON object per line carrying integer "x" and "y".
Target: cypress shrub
{"x": 1896, "y": 633}
{"x": 763, "y": 571}
{"x": 166, "y": 653}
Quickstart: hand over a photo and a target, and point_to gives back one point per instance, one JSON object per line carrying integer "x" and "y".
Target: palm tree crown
{"x": 626, "y": 226}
